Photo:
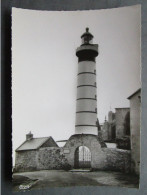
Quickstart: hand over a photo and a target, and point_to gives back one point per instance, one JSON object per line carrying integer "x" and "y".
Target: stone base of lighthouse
{"x": 90, "y": 151}
{"x": 91, "y": 144}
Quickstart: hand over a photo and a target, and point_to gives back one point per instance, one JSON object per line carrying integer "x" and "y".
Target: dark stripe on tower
{"x": 87, "y": 73}
{"x": 85, "y": 126}
{"x": 87, "y": 112}
{"x": 86, "y": 86}
{"x": 86, "y": 99}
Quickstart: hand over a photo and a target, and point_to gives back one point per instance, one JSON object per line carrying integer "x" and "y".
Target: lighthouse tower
{"x": 86, "y": 105}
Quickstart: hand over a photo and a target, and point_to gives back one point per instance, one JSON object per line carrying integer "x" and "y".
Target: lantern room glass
{"x": 87, "y": 39}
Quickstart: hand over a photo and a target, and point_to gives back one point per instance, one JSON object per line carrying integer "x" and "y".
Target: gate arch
{"x": 82, "y": 157}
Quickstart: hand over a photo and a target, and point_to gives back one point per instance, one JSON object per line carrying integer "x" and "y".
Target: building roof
{"x": 32, "y": 144}
{"x": 134, "y": 93}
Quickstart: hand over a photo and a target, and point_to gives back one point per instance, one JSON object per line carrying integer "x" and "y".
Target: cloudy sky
{"x": 44, "y": 66}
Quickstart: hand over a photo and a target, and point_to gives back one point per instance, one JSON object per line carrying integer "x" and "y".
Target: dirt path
{"x": 54, "y": 178}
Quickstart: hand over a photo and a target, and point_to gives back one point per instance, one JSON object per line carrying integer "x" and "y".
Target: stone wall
{"x": 44, "y": 158}
{"x": 26, "y": 161}
{"x": 47, "y": 158}
{"x": 51, "y": 158}
{"x": 90, "y": 141}
{"x": 117, "y": 160}
{"x": 135, "y": 131}
{"x": 102, "y": 158}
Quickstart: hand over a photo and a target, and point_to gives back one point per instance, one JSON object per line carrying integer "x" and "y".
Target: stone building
{"x": 108, "y": 128}
{"x": 117, "y": 128}
{"x": 105, "y": 130}
{"x": 122, "y": 122}
{"x": 112, "y": 126}
{"x": 38, "y": 154}
{"x": 135, "y": 112}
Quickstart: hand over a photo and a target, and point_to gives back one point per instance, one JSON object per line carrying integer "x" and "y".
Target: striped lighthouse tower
{"x": 86, "y": 105}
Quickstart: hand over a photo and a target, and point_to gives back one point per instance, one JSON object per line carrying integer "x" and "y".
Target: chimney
{"x": 29, "y": 136}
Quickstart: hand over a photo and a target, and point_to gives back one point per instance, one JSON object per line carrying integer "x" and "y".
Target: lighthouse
{"x": 86, "y": 102}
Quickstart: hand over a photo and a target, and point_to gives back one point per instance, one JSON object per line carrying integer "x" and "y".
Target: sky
{"x": 44, "y": 66}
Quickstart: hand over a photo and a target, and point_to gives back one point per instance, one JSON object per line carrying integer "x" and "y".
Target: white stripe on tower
{"x": 86, "y": 107}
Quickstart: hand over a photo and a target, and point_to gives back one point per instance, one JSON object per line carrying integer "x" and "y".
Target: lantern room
{"x": 87, "y": 37}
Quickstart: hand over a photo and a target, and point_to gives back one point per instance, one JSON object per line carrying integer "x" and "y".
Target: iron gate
{"x": 82, "y": 157}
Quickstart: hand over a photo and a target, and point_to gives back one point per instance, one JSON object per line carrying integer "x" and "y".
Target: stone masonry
{"x": 135, "y": 112}
{"x": 46, "y": 158}
{"x": 102, "y": 158}
{"x": 43, "y": 159}
{"x": 120, "y": 115}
